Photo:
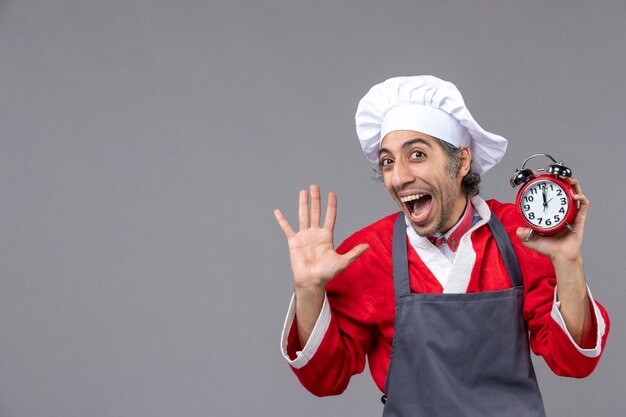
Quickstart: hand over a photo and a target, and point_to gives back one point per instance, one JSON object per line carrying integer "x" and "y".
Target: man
{"x": 445, "y": 320}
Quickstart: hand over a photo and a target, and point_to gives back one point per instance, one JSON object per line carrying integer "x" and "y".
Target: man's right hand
{"x": 314, "y": 261}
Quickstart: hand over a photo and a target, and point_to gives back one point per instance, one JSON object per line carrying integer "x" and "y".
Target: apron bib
{"x": 460, "y": 355}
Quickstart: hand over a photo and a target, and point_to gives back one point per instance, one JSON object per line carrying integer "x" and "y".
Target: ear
{"x": 465, "y": 161}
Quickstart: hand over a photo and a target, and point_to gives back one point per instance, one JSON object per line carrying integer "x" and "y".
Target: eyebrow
{"x": 406, "y": 144}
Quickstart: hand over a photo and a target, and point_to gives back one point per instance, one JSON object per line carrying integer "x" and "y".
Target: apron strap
{"x": 400, "y": 258}
{"x": 506, "y": 250}
{"x": 401, "y": 263}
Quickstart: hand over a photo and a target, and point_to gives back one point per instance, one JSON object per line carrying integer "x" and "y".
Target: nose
{"x": 401, "y": 175}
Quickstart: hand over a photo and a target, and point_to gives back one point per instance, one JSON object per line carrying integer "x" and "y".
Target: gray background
{"x": 144, "y": 144}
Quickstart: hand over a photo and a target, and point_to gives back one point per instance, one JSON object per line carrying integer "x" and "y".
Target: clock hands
{"x": 544, "y": 193}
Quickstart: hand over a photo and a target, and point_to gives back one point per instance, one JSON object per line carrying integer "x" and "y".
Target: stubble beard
{"x": 446, "y": 207}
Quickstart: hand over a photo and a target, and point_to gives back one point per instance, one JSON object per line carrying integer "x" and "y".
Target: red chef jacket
{"x": 357, "y": 320}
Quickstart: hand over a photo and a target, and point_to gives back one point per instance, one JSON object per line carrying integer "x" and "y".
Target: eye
{"x": 417, "y": 154}
{"x": 385, "y": 161}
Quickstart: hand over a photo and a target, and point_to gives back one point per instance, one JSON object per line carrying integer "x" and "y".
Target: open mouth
{"x": 418, "y": 206}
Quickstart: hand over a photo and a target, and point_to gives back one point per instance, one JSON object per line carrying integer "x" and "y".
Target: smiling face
{"x": 415, "y": 172}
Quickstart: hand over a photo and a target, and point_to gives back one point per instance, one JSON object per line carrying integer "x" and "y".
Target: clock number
{"x": 553, "y": 215}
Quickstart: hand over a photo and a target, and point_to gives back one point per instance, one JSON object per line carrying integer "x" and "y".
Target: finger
{"x": 583, "y": 209}
{"x": 576, "y": 184}
{"x": 583, "y": 202}
{"x": 303, "y": 209}
{"x": 353, "y": 254}
{"x": 315, "y": 206}
{"x": 331, "y": 212}
{"x": 283, "y": 223}
{"x": 524, "y": 233}
{"x": 526, "y": 236}
{"x": 356, "y": 251}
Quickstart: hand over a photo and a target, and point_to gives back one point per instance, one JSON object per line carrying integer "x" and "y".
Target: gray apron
{"x": 458, "y": 355}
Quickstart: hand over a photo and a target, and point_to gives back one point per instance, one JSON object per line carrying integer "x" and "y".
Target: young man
{"x": 452, "y": 282}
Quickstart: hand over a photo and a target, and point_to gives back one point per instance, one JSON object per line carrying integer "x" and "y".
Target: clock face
{"x": 544, "y": 204}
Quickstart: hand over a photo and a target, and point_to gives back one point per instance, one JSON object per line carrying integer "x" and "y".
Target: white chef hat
{"x": 429, "y": 105}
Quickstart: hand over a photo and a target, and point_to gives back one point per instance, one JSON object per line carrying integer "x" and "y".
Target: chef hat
{"x": 429, "y": 105}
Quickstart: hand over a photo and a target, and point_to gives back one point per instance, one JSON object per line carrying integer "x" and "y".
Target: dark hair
{"x": 470, "y": 184}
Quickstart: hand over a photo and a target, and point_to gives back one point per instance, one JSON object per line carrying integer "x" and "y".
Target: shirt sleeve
{"x": 548, "y": 334}
{"x": 334, "y": 353}
{"x": 302, "y": 357}
{"x": 358, "y": 303}
{"x": 599, "y": 329}
{"x": 344, "y": 330}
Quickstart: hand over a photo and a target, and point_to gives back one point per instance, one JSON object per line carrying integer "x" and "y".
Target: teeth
{"x": 411, "y": 197}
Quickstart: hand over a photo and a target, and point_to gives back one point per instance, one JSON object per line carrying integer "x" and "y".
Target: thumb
{"x": 347, "y": 258}
{"x": 525, "y": 235}
{"x": 356, "y": 251}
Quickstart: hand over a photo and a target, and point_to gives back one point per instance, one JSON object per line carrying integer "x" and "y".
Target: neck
{"x": 460, "y": 206}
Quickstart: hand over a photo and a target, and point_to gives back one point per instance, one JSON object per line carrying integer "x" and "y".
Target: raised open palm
{"x": 314, "y": 260}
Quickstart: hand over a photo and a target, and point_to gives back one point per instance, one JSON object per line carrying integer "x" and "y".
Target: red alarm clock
{"x": 546, "y": 201}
